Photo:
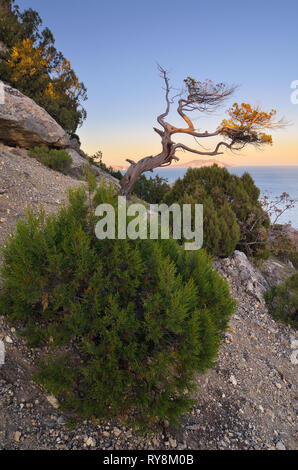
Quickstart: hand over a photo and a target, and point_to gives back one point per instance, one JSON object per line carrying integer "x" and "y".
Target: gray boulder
{"x": 25, "y": 124}
{"x": 249, "y": 275}
{"x": 276, "y": 272}
{"x": 77, "y": 159}
{"x": 242, "y": 271}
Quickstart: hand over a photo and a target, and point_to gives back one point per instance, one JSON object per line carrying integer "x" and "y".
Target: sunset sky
{"x": 114, "y": 48}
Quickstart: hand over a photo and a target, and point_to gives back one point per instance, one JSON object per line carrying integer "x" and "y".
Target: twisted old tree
{"x": 245, "y": 125}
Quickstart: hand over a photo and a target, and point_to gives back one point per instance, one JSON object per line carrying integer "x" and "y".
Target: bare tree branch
{"x": 244, "y": 126}
{"x": 161, "y": 117}
{"x": 199, "y": 152}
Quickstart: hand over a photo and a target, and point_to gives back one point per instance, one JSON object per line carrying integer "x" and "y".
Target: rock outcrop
{"x": 276, "y": 271}
{"x": 254, "y": 280}
{"x": 77, "y": 160}
{"x": 25, "y": 124}
{"x": 239, "y": 268}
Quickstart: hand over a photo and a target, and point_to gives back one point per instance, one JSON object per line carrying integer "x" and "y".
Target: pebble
{"x": 17, "y": 436}
{"x": 116, "y": 432}
{"x": 280, "y": 446}
{"x": 90, "y": 442}
{"x": 53, "y": 401}
{"x": 233, "y": 380}
{"x": 173, "y": 442}
{"x": 193, "y": 427}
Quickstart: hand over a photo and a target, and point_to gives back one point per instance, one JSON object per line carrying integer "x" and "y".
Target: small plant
{"x": 55, "y": 159}
{"x": 294, "y": 259}
{"x": 124, "y": 324}
{"x": 281, "y": 245}
{"x": 96, "y": 160}
{"x": 282, "y": 301}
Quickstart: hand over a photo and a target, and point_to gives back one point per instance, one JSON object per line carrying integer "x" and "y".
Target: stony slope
{"x": 249, "y": 401}
{"x": 24, "y": 181}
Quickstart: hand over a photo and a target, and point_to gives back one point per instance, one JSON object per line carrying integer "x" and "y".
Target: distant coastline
{"x": 192, "y": 164}
{"x": 272, "y": 180}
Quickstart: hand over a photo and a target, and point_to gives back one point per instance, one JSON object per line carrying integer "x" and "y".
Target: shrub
{"x": 151, "y": 190}
{"x": 233, "y": 216}
{"x": 282, "y": 246}
{"x": 126, "y": 323}
{"x": 96, "y": 160}
{"x": 294, "y": 259}
{"x": 58, "y": 160}
{"x": 282, "y": 301}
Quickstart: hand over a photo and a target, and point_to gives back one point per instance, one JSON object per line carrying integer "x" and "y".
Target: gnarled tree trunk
{"x": 242, "y": 129}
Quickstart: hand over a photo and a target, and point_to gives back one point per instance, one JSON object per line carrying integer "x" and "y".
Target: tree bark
{"x": 202, "y": 97}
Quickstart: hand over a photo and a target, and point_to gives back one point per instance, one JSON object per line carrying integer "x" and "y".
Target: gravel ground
{"x": 249, "y": 401}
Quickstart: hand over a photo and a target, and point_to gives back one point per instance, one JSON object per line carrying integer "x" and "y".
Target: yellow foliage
{"x": 50, "y": 91}
{"x": 267, "y": 139}
{"x": 247, "y": 120}
{"x": 26, "y": 60}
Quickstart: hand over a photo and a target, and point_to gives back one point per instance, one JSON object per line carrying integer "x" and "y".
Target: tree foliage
{"x": 33, "y": 65}
{"x": 151, "y": 190}
{"x": 96, "y": 160}
{"x": 282, "y": 301}
{"x": 245, "y": 125}
{"x": 233, "y": 215}
{"x": 125, "y": 324}
{"x": 55, "y": 159}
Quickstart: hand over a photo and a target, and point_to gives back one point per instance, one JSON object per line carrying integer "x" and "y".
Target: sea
{"x": 271, "y": 180}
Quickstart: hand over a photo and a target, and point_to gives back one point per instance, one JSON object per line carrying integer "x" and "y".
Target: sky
{"x": 114, "y": 47}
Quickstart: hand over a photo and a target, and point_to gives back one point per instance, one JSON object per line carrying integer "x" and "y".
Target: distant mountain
{"x": 118, "y": 167}
{"x": 202, "y": 162}
{"x": 191, "y": 164}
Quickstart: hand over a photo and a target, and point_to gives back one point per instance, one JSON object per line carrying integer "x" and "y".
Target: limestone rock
{"x": 53, "y": 401}
{"x": 77, "y": 159}
{"x": 277, "y": 272}
{"x": 17, "y": 436}
{"x": 90, "y": 442}
{"x": 25, "y": 124}
{"x": 244, "y": 272}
